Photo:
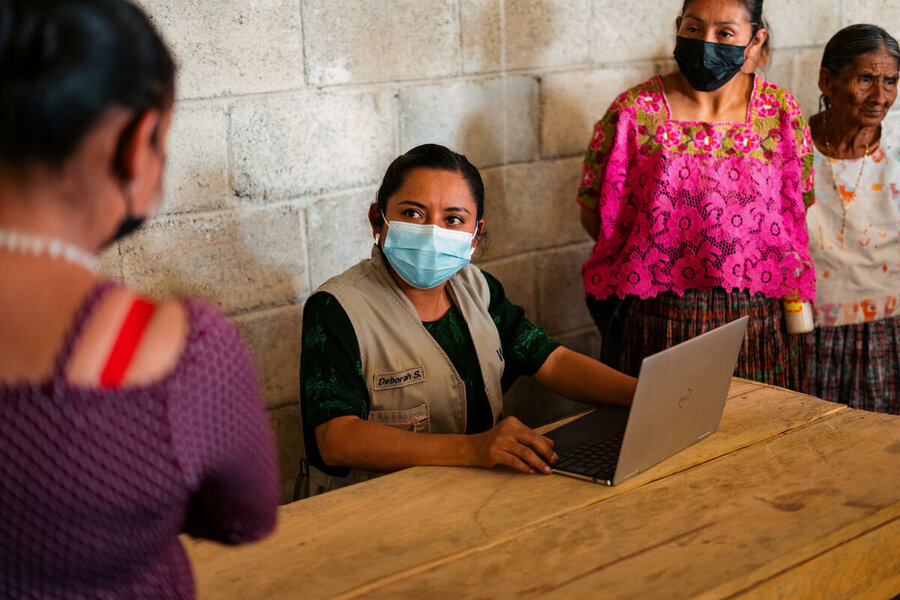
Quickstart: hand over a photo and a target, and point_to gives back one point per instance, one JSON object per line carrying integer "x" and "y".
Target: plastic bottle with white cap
{"x": 798, "y": 316}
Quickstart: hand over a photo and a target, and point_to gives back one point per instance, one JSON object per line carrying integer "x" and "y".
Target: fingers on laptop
{"x": 522, "y": 449}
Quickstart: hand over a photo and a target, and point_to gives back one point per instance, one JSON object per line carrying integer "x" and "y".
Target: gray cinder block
{"x": 537, "y": 210}
{"x": 572, "y": 101}
{"x": 468, "y": 116}
{"x": 197, "y": 168}
{"x": 361, "y": 41}
{"x": 287, "y": 146}
{"x": 230, "y": 46}
{"x": 537, "y": 34}
{"x": 273, "y": 337}
{"x": 560, "y": 290}
{"x": 339, "y": 233}
{"x": 239, "y": 260}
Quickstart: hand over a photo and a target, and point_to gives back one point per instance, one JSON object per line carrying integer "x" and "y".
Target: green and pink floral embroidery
{"x": 689, "y": 205}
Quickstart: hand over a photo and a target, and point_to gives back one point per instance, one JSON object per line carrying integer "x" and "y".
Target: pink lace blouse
{"x": 689, "y": 205}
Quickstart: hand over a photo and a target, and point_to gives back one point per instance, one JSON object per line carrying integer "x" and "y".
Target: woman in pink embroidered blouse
{"x": 695, "y": 186}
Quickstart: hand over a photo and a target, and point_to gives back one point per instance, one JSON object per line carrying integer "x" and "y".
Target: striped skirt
{"x": 857, "y": 365}
{"x": 770, "y": 354}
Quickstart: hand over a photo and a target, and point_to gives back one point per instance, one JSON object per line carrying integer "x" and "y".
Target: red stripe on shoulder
{"x": 133, "y": 327}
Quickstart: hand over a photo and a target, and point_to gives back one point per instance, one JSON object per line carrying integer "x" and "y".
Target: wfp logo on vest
{"x": 386, "y": 381}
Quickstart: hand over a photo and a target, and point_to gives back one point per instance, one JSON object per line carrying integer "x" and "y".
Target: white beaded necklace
{"x": 54, "y": 248}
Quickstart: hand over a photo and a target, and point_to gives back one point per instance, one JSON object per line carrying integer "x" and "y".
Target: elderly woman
{"x": 695, "y": 186}
{"x": 123, "y": 422}
{"x": 854, "y": 227}
{"x": 406, "y": 356}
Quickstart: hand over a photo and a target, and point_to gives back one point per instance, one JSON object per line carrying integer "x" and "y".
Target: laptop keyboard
{"x": 593, "y": 459}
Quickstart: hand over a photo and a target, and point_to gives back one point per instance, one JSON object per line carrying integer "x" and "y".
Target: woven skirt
{"x": 769, "y": 354}
{"x": 857, "y": 365}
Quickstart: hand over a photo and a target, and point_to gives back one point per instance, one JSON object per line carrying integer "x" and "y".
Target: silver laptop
{"x": 679, "y": 399}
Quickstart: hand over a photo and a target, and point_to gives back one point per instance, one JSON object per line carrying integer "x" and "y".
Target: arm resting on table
{"x": 583, "y": 379}
{"x": 352, "y": 442}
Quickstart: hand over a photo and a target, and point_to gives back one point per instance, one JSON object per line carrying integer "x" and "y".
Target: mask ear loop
{"x": 750, "y": 43}
{"x": 384, "y": 221}
{"x": 474, "y": 240}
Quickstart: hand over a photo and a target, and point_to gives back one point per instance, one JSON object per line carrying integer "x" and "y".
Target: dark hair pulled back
{"x": 852, "y": 43}
{"x": 65, "y": 63}
{"x": 430, "y": 156}
{"x": 754, "y": 8}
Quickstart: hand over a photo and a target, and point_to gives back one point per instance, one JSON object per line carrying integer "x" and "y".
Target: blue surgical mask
{"x": 425, "y": 256}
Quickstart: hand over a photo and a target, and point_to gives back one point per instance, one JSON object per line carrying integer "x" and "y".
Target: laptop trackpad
{"x": 599, "y": 424}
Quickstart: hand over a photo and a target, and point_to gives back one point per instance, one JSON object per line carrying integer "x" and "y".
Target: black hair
{"x": 850, "y": 44}
{"x": 429, "y": 156}
{"x": 754, "y": 8}
{"x": 65, "y": 63}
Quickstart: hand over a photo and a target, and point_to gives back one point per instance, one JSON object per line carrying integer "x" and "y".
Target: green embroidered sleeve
{"x": 331, "y": 380}
{"x": 525, "y": 345}
{"x": 596, "y": 158}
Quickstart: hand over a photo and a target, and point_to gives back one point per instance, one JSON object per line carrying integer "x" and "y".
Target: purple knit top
{"x": 96, "y": 484}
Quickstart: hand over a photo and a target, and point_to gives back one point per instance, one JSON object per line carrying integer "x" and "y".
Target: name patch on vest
{"x": 386, "y": 381}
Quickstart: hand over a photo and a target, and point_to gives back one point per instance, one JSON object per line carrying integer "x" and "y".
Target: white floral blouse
{"x": 857, "y": 274}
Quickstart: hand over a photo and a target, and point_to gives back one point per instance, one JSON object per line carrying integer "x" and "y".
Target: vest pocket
{"x": 417, "y": 419}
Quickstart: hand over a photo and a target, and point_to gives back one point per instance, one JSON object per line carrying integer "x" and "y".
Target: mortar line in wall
{"x": 503, "y": 81}
{"x": 263, "y": 309}
{"x": 471, "y": 77}
{"x": 243, "y": 312}
{"x": 302, "y": 202}
{"x": 459, "y": 25}
{"x": 540, "y": 159}
{"x": 247, "y": 207}
{"x": 307, "y": 251}
{"x": 536, "y": 252}
{"x": 303, "y": 43}
{"x": 398, "y": 119}
{"x": 229, "y": 152}
{"x": 281, "y": 406}
{"x": 373, "y": 185}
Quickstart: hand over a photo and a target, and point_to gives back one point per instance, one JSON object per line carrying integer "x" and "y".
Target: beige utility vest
{"x": 411, "y": 381}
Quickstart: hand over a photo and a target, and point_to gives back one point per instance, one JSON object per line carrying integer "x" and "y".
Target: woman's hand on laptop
{"x": 515, "y": 445}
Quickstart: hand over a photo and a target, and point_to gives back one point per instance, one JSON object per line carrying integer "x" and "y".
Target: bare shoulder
{"x": 156, "y": 354}
{"x": 162, "y": 344}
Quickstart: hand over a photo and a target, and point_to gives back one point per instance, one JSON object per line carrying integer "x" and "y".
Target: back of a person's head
{"x": 66, "y": 63}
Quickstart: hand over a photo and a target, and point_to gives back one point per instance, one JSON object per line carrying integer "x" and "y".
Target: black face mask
{"x": 129, "y": 225}
{"x": 707, "y": 66}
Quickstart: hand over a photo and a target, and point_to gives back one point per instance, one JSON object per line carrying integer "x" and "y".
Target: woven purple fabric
{"x": 96, "y": 485}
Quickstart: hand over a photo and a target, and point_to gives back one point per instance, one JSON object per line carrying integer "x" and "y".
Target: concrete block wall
{"x": 289, "y": 111}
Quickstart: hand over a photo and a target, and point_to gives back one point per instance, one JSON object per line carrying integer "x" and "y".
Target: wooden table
{"x": 794, "y": 497}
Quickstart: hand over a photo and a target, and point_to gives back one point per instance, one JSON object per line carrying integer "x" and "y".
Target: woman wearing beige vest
{"x": 406, "y": 355}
